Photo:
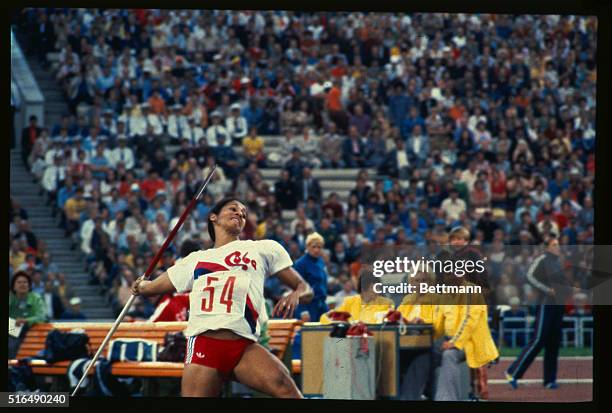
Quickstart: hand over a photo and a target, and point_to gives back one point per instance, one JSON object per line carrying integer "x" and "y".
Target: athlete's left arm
{"x": 302, "y": 293}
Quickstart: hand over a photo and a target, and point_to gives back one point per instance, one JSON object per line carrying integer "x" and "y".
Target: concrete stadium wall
{"x": 25, "y": 92}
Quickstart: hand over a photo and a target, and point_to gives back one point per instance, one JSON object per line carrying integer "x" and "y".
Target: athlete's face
{"x": 232, "y": 217}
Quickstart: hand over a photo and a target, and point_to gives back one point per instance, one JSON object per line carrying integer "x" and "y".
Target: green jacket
{"x": 32, "y": 308}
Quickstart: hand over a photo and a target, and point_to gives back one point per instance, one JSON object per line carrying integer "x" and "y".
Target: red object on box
{"x": 339, "y": 315}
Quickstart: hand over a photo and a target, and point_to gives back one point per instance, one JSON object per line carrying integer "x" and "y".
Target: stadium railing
{"x": 576, "y": 331}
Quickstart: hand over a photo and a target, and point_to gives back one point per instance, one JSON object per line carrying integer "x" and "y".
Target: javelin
{"x": 146, "y": 275}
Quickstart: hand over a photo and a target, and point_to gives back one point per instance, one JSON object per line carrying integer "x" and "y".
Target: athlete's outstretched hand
{"x": 286, "y": 305}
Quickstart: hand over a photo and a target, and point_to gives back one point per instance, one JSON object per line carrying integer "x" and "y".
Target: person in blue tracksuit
{"x": 312, "y": 268}
{"x": 545, "y": 272}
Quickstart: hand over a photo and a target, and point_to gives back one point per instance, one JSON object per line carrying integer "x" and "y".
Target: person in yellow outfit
{"x": 253, "y": 147}
{"x": 466, "y": 338}
{"x": 459, "y": 238}
{"x": 73, "y": 208}
{"x": 367, "y": 306}
{"x": 419, "y": 308}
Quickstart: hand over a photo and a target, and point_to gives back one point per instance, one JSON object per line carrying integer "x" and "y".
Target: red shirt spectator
{"x": 171, "y": 308}
{"x": 498, "y": 186}
{"x": 457, "y": 112}
{"x": 561, "y": 220}
{"x": 338, "y": 72}
{"x": 151, "y": 185}
{"x": 333, "y": 102}
{"x": 335, "y": 206}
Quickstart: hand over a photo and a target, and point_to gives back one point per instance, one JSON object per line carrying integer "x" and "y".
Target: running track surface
{"x": 575, "y": 376}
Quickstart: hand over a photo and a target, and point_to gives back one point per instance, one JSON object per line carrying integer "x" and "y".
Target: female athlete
{"x": 227, "y": 307}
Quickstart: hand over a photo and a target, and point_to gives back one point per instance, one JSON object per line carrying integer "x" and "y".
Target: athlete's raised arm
{"x": 160, "y": 285}
{"x": 302, "y": 293}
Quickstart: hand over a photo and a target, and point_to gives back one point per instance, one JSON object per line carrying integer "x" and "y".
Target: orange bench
{"x": 281, "y": 333}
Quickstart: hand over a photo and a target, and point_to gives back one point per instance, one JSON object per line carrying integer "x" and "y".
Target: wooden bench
{"x": 281, "y": 333}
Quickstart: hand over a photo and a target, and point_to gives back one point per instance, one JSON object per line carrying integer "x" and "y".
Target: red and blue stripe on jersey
{"x": 203, "y": 268}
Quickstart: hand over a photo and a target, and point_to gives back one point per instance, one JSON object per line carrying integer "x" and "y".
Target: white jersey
{"x": 227, "y": 285}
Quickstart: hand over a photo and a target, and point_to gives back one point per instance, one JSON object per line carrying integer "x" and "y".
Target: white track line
{"x": 540, "y": 358}
{"x": 540, "y": 381}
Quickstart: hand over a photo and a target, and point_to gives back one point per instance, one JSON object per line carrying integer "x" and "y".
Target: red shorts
{"x": 222, "y": 355}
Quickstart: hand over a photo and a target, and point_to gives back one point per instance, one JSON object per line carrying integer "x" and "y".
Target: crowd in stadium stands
{"x": 486, "y": 121}
{"x": 30, "y": 259}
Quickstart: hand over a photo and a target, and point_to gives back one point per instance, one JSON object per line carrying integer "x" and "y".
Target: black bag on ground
{"x": 174, "y": 347}
{"x": 65, "y": 346}
{"x": 21, "y": 378}
{"x": 106, "y": 384}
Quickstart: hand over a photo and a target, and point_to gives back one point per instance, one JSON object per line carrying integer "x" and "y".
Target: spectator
{"x": 309, "y": 187}
{"x": 38, "y": 285}
{"x": 480, "y": 197}
{"x": 312, "y": 268}
{"x": 122, "y": 154}
{"x": 236, "y": 126}
{"x": 301, "y": 219}
{"x": 17, "y": 255}
{"x": 25, "y": 235}
{"x": 253, "y": 147}
{"x": 487, "y": 226}
{"x": 414, "y": 119}
{"x": 152, "y": 185}
{"x": 308, "y": 147}
{"x": 253, "y": 114}
{"x": 25, "y": 306}
{"x": 333, "y": 104}
{"x": 74, "y": 311}
{"x": 353, "y": 149}
{"x": 360, "y": 121}
{"x": 418, "y": 145}
{"x": 47, "y": 266}
{"x": 280, "y": 155}
{"x": 330, "y": 148}
{"x": 270, "y": 122}
{"x": 348, "y": 290}
{"x": 54, "y": 176}
{"x": 399, "y": 104}
{"x": 29, "y": 135}
{"x": 99, "y": 163}
{"x": 453, "y": 206}
{"x": 73, "y": 208}
{"x": 295, "y": 165}
{"x": 64, "y": 291}
{"x": 333, "y": 204}
{"x": 226, "y": 157}
{"x": 54, "y": 307}
{"x": 286, "y": 191}
{"x": 217, "y": 132}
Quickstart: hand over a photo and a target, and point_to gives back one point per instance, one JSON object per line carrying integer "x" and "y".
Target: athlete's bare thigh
{"x": 201, "y": 381}
{"x": 262, "y": 371}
